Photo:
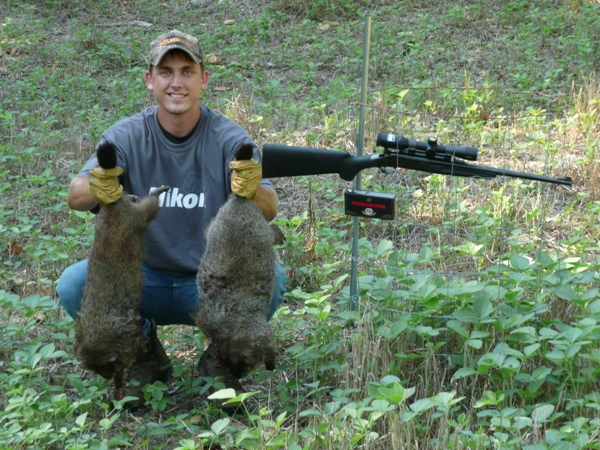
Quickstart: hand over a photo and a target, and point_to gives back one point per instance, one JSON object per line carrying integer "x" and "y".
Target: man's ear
{"x": 149, "y": 80}
{"x": 205, "y": 75}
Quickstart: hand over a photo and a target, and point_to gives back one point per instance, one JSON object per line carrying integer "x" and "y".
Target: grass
{"x": 477, "y": 318}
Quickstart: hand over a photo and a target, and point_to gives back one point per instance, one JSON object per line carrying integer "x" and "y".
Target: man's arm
{"x": 266, "y": 199}
{"x": 78, "y": 197}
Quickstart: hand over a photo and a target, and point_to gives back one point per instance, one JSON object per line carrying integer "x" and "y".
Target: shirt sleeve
{"x": 89, "y": 165}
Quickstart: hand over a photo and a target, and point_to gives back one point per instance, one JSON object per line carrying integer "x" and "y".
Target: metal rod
{"x": 359, "y": 151}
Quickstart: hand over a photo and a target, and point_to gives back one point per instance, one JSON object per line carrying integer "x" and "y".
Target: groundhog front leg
{"x": 270, "y": 359}
{"x": 156, "y": 192}
{"x": 119, "y": 385}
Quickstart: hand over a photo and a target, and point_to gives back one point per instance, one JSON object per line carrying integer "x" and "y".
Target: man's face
{"x": 177, "y": 83}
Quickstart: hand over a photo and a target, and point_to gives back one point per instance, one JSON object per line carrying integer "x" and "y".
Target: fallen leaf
{"x": 328, "y": 25}
{"x": 221, "y": 88}
{"x": 195, "y": 420}
{"x": 229, "y": 22}
{"x": 14, "y": 248}
{"x": 141, "y": 23}
{"x": 238, "y": 425}
{"x": 214, "y": 59}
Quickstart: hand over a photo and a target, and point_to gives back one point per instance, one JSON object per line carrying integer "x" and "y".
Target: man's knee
{"x": 69, "y": 287}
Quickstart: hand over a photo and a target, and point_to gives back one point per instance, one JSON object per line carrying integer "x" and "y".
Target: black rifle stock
{"x": 289, "y": 161}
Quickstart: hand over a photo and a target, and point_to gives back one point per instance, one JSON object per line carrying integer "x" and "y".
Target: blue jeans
{"x": 167, "y": 299}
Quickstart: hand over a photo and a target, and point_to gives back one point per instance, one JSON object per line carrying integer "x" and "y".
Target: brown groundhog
{"x": 109, "y": 333}
{"x": 236, "y": 279}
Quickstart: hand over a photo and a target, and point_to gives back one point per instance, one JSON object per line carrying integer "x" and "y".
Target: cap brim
{"x": 157, "y": 58}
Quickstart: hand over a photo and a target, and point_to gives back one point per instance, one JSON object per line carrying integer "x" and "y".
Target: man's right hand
{"x": 245, "y": 178}
{"x": 104, "y": 185}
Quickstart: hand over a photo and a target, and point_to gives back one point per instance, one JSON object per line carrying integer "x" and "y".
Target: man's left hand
{"x": 246, "y": 177}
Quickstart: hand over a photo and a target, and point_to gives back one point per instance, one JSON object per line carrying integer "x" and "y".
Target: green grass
{"x": 478, "y": 313}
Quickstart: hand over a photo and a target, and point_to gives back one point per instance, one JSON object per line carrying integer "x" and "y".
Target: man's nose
{"x": 176, "y": 80}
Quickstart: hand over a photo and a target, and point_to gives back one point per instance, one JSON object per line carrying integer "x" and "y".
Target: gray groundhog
{"x": 109, "y": 332}
{"x": 236, "y": 279}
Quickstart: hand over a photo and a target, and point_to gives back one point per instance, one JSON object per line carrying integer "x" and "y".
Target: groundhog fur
{"x": 109, "y": 330}
{"x": 236, "y": 279}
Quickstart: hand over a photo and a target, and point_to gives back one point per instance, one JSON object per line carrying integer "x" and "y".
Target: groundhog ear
{"x": 278, "y": 236}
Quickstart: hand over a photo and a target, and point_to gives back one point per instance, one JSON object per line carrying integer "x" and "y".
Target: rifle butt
{"x": 290, "y": 161}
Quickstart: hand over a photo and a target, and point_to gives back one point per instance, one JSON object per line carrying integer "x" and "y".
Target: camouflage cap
{"x": 175, "y": 40}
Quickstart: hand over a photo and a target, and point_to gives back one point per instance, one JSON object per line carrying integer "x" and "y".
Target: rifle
{"x": 398, "y": 151}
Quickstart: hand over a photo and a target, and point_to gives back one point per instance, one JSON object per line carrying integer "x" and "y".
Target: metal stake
{"x": 359, "y": 150}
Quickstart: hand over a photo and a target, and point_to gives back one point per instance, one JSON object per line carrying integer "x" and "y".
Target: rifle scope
{"x": 431, "y": 147}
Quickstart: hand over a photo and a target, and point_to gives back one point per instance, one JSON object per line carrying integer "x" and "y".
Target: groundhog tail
{"x": 107, "y": 155}
{"x": 244, "y": 152}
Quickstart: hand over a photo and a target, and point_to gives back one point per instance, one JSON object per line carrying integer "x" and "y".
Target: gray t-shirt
{"x": 197, "y": 171}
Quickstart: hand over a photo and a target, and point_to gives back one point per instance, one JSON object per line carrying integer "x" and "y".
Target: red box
{"x": 373, "y": 205}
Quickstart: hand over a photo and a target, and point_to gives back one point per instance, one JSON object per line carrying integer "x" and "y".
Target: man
{"x": 181, "y": 143}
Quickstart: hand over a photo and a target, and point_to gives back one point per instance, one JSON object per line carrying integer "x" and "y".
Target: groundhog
{"x": 109, "y": 333}
{"x": 236, "y": 279}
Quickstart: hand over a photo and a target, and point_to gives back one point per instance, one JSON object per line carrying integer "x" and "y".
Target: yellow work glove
{"x": 245, "y": 178}
{"x": 104, "y": 185}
